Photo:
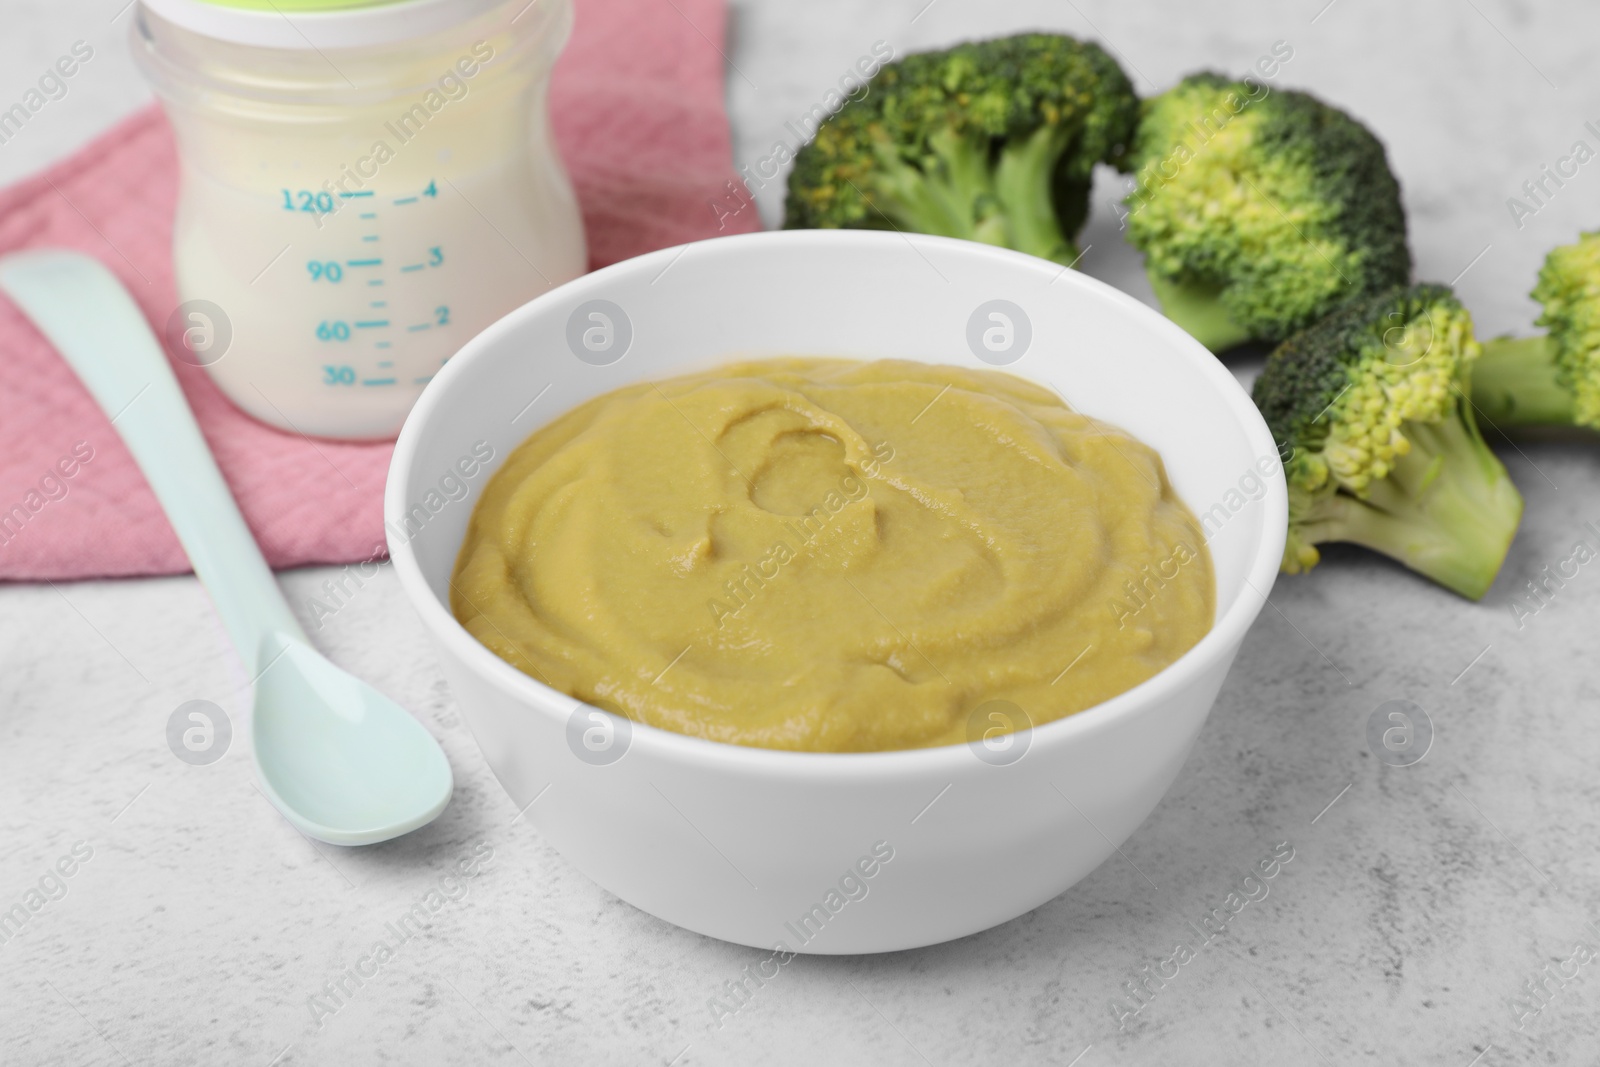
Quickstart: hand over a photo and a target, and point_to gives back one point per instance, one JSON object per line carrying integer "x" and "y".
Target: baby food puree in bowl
{"x": 844, "y": 556}
{"x": 841, "y": 852}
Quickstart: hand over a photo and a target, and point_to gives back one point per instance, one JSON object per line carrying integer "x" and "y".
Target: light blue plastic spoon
{"x": 343, "y": 762}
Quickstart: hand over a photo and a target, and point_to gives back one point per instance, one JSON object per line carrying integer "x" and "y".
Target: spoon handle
{"x": 90, "y": 318}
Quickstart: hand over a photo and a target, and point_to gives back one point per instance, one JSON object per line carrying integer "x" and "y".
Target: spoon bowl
{"x": 344, "y": 763}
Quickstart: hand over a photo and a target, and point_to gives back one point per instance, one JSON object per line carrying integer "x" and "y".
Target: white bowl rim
{"x": 1227, "y": 631}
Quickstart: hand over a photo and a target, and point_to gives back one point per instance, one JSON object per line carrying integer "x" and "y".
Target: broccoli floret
{"x": 992, "y": 141}
{"x": 1370, "y": 408}
{"x": 1553, "y": 380}
{"x": 1258, "y": 212}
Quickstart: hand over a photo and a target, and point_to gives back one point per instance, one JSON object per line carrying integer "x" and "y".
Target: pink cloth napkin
{"x": 638, "y": 113}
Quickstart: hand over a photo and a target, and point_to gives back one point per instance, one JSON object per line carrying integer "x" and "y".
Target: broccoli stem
{"x": 946, "y": 203}
{"x": 1514, "y": 383}
{"x": 962, "y": 192}
{"x": 1196, "y": 308}
{"x": 1448, "y": 509}
{"x": 1022, "y": 186}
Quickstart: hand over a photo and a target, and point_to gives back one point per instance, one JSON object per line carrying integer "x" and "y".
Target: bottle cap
{"x": 315, "y": 25}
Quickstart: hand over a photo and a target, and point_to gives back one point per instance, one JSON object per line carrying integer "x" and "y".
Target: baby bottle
{"x": 365, "y": 184}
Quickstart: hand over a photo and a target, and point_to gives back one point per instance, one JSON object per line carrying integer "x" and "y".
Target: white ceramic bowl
{"x": 742, "y": 843}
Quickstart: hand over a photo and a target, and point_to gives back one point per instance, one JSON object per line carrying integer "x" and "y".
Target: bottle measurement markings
{"x": 337, "y": 331}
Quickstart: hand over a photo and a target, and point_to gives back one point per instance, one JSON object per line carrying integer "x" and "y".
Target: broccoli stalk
{"x": 1197, "y": 307}
{"x": 1024, "y": 186}
{"x": 1517, "y": 383}
{"x": 955, "y": 190}
{"x": 1259, "y": 212}
{"x": 1553, "y": 380}
{"x": 993, "y": 141}
{"x": 1447, "y": 510}
{"x": 1384, "y": 449}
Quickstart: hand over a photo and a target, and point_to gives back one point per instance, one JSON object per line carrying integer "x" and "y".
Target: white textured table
{"x": 1416, "y": 908}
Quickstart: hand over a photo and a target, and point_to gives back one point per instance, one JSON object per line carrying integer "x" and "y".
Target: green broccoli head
{"x": 1554, "y": 379}
{"x": 992, "y": 141}
{"x": 1569, "y": 289}
{"x": 1259, "y": 212}
{"x": 1369, "y": 406}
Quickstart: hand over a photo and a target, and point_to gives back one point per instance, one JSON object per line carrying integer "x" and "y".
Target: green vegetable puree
{"x": 833, "y": 556}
